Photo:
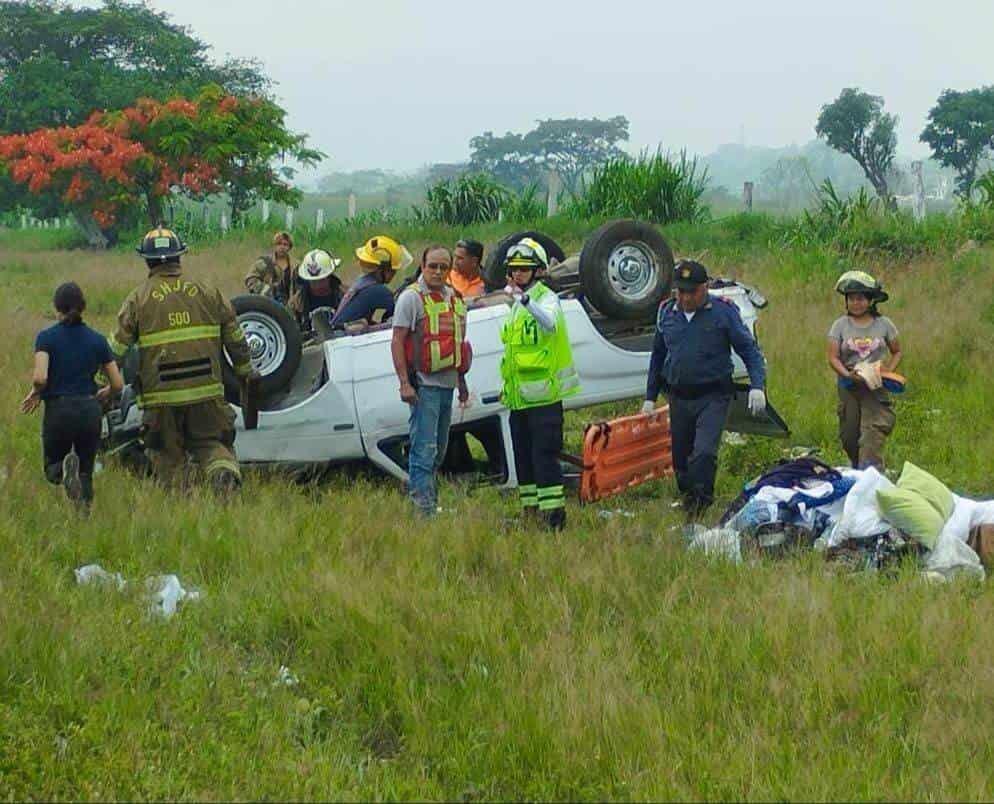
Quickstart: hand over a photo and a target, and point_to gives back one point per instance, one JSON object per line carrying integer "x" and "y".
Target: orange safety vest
{"x": 440, "y": 342}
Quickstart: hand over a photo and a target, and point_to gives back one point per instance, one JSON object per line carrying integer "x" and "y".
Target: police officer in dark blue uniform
{"x": 692, "y": 364}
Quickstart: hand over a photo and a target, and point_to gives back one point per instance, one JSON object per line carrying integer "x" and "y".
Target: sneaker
{"x": 70, "y": 477}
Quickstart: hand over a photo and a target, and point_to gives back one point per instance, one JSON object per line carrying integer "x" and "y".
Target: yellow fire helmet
{"x": 383, "y": 252}
{"x": 317, "y": 264}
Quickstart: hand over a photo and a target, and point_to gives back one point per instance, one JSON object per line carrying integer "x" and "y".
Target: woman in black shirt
{"x": 67, "y": 356}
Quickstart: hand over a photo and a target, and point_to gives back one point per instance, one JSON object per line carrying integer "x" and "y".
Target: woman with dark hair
{"x": 67, "y": 356}
{"x": 861, "y": 345}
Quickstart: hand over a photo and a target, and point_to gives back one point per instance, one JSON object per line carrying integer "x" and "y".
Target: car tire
{"x": 626, "y": 269}
{"x": 494, "y": 274}
{"x": 274, "y": 341}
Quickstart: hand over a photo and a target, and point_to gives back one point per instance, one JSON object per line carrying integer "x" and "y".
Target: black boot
{"x": 225, "y": 484}
{"x": 555, "y": 519}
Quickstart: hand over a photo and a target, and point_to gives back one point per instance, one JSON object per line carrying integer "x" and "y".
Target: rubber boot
{"x": 555, "y": 519}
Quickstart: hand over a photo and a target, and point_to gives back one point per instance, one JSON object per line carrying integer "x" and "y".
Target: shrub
{"x": 473, "y": 198}
{"x": 657, "y": 187}
{"x": 525, "y": 207}
{"x": 860, "y": 225}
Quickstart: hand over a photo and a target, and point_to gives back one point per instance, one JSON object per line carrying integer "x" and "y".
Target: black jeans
{"x": 71, "y": 423}
{"x": 696, "y": 426}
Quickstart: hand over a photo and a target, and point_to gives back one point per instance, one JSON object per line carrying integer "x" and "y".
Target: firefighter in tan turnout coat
{"x": 179, "y": 326}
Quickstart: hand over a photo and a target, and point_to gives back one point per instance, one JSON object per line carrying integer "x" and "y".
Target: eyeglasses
{"x": 441, "y": 267}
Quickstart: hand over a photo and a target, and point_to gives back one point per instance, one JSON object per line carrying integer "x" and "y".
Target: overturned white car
{"x": 337, "y": 401}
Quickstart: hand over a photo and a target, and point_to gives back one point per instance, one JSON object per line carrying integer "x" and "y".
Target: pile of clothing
{"x": 858, "y": 518}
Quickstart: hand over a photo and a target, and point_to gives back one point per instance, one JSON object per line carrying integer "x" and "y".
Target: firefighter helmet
{"x": 317, "y": 264}
{"x": 528, "y": 254}
{"x": 161, "y": 244}
{"x": 861, "y": 282}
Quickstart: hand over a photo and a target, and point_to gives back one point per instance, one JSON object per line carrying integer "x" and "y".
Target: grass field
{"x": 472, "y": 658}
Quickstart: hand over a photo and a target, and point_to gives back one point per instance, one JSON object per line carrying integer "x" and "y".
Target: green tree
{"x": 572, "y": 147}
{"x": 960, "y": 132}
{"x": 856, "y": 124}
{"x": 505, "y": 158}
{"x": 58, "y": 64}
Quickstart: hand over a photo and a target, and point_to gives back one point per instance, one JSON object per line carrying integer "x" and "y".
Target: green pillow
{"x": 921, "y": 482}
{"x": 911, "y": 513}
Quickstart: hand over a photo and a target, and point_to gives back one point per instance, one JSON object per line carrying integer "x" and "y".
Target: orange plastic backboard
{"x": 625, "y": 452}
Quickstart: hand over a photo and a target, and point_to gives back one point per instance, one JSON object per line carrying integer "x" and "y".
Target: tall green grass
{"x": 859, "y": 226}
{"x": 475, "y": 657}
{"x": 470, "y": 199}
{"x": 655, "y": 187}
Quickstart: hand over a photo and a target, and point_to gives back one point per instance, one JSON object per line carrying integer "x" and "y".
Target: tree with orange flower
{"x": 118, "y": 165}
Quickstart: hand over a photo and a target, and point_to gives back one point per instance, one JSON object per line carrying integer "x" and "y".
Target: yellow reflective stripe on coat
{"x": 116, "y": 347}
{"x": 181, "y": 396}
{"x": 234, "y": 332}
{"x": 178, "y": 335}
{"x": 222, "y": 464}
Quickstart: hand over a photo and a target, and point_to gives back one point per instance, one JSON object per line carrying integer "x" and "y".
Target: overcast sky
{"x": 384, "y": 83}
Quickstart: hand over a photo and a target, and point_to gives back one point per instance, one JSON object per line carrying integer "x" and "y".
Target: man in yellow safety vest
{"x": 179, "y": 326}
{"x": 431, "y": 358}
{"x": 538, "y": 374}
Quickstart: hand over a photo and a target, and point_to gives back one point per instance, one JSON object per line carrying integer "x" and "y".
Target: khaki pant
{"x": 205, "y": 430}
{"x": 866, "y": 418}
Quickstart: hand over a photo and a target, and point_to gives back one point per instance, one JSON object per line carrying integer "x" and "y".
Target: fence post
{"x": 24, "y": 221}
{"x": 289, "y": 219}
{"x": 919, "y": 208}
{"x": 552, "y": 202}
{"x": 352, "y": 201}
{"x": 747, "y": 195}
{"x": 207, "y": 216}
{"x": 265, "y": 210}
{"x": 224, "y": 222}
{"x": 319, "y": 220}
{"x": 57, "y": 223}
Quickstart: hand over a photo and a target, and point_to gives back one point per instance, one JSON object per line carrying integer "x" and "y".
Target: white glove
{"x": 513, "y": 291}
{"x": 757, "y": 401}
{"x": 648, "y": 406}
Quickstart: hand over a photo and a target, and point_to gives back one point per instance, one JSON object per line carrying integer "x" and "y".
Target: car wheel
{"x": 626, "y": 269}
{"x": 275, "y": 345}
{"x": 494, "y": 274}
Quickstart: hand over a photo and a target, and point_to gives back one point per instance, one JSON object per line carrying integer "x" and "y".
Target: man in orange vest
{"x": 431, "y": 357}
{"x": 465, "y": 276}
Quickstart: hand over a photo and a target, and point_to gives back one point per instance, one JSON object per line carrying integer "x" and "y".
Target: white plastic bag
{"x": 952, "y": 555}
{"x": 95, "y": 574}
{"x": 721, "y": 542}
{"x": 165, "y": 594}
{"x": 861, "y": 517}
